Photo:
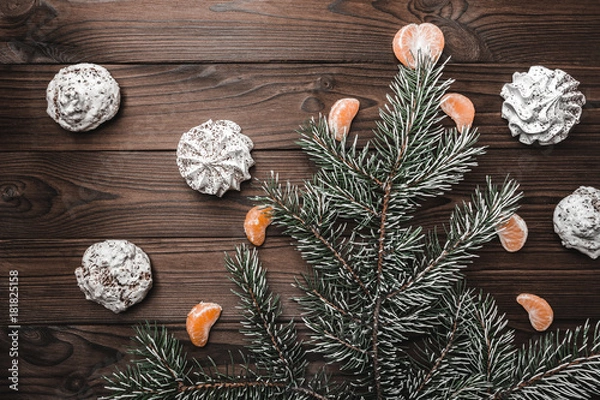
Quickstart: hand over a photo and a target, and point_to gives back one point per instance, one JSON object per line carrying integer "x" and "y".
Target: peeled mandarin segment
{"x": 341, "y": 115}
{"x": 256, "y": 223}
{"x": 426, "y": 39}
{"x": 459, "y": 108}
{"x": 513, "y": 234}
{"x": 540, "y": 312}
{"x": 199, "y": 321}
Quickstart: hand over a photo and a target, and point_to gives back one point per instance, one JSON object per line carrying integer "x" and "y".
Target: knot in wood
{"x": 9, "y": 192}
{"x": 312, "y": 104}
{"x": 325, "y": 83}
{"x": 75, "y": 383}
{"x": 13, "y": 10}
{"x": 429, "y": 6}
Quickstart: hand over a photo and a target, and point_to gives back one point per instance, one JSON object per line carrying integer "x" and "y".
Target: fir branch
{"x": 438, "y": 351}
{"x": 493, "y": 344}
{"x": 275, "y": 347}
{"x": 408, "y": 126}
{"x": 309, "y": 219}
{"x": 469, "y": 354}
{"x": 322, "y": 299}
{"x": 318, "y": 142}
{"x": 557, "y": 364}
{"x": 470, "y": 226}
{"x": 159, "y": 372}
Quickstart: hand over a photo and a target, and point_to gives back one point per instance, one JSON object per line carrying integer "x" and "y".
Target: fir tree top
{"x": 385, "y": 301}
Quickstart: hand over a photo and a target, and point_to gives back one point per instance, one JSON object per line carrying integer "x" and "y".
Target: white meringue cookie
{"x": 82, "y": 96}
{"x": 577, "y": 221}
{"x": 542, "y": 105}
{"x": 115, "y": 273}
{"x": 215, "y": 157}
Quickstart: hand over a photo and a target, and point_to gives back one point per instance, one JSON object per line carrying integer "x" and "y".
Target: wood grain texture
{"x": 141, "y": 31}
{"x": 141, "y": 194}
{"x": 269, "y": 102}
{"x": 269, "y": 65}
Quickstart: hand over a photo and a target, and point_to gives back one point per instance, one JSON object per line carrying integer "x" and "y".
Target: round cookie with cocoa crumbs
{"x": 576, "y": 221}
{"x": 115, "y": 273}
{"x": 82, "y": 96}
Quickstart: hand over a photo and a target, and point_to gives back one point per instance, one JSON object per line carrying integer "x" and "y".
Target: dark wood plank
{"x": 240, "y": 31}
{"x": 121, "y": 193}
{"x": 268, "y": 101}
{"x": 189, "y": 271}
{"x": 185, "y": 273}
{"x": 140, "y": 194}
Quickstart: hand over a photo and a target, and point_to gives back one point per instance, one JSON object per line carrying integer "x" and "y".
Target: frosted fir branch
{"x": 402, "y": 143}
{"x": 470, "y": 226}
{"x": 347, "y": 176}
{"x": 470, "y": 352}
{"x": 564, "y": 364}
{"x": 159, "y": 372}
{"x": 309, "y": 220}
{"x": 493, "y": 344}
{"x": 410, "y": 121}
{"x": 377, "y": 285}
{"x": 275, "y": 347}
{"x": 451, "y": 158}
{"x": 439, "y": 349}
{"x": 318, "y": 142}
{"x": 354, "y": 200}
{"x": 320, "y": 298}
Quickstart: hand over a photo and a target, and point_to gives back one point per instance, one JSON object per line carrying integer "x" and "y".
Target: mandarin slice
{"x": 341, "y": 115}
{"x": 540, "y": 312}
{"x": 426, "y": 39}
{"x": 199, "y": 321}
{"x": 459, "y": 108}
{"x": 513, "y": 234}
{"x": 256, "y": 223}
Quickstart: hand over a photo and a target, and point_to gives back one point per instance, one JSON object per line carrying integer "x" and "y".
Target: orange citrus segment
{"x": 426, "y": 39}
{"x": 459, "y": 108}
{"x": 256, "y": 223}
{"x": 341, "y": 115}
{"x": 513, "y": 234}
{"x": 199, "y": 321}
{"x": 540, "y": 312}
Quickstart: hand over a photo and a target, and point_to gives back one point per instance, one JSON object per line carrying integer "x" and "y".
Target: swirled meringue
{"x": 577, "y": 221}
{"x": 215, "y": 157}
{"x": 542, "y": 105}
{"x": 82, "y": 96}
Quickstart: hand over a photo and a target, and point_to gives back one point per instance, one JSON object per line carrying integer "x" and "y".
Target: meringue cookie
{"x": 542, "y": 105}
{"x": 215, "y": 157}
{"x": 115, "y": 273}
{"x": 82, "y": 96}
{"x": 577, "y": 221}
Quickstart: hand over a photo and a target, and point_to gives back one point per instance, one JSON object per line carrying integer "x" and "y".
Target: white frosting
{"x": 577, "y": 221}
{"x": 82, "y": 96}
{"x": 542, "y": 105}
{"x": 115, "y": 274}
{"x": 215, "y": 157}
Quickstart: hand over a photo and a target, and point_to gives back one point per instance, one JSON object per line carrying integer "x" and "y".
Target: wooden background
{"x": 268, "y": 65}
